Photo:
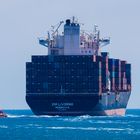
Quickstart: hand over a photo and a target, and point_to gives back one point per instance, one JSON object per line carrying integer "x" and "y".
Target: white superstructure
{"x": 73, "y": 41}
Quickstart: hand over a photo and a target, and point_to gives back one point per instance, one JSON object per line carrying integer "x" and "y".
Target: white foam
{"x": 131, "y": 115}
{"x": 72, "y": 128}
{"x": 37, "y": 125}
{"x": 15, "y": 116}
{"x": 117, "y": 129}
{"x": 3, "y": 126}
{"x": 48, "y": 116}
{"x": 90, "y": 128}
{"x": 30, "y": 116}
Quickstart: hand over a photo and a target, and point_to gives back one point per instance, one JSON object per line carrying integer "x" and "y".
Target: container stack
{"x": 105, "y": 74}
{"x": 128, "y": 76}
{"x": 100, "y": 78}
{"x": 123, "y": 76}
{"x": 69, "y": 74}
{"x": 117, "y": 75}
{"x": 77, "y": 74}
{"x": 98, "y": 61}
{"x": 111, "y": 64}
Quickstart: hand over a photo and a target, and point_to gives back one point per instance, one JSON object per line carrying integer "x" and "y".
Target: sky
{"x": 23, "y": 21}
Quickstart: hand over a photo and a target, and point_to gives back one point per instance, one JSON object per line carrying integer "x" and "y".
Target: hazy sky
{"x": 22, "y": 21}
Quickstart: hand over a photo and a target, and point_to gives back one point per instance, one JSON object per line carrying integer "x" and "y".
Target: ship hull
{"x": 78, "y": 104}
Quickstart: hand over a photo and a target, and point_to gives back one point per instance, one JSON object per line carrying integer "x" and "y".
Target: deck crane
{"x": 45, "y": 42}
{"x": 56, "y": 31}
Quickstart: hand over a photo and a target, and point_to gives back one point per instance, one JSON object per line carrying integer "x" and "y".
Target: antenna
{"x": 73, "y": 19}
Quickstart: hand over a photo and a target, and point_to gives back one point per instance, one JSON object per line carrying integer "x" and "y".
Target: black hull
{"x": 78, "y": 104}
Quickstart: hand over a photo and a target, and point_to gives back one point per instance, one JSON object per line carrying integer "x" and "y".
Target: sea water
{"x": 24, "y": 125}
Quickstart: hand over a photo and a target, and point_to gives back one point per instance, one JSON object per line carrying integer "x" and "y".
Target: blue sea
{"x": 24, "y": 125}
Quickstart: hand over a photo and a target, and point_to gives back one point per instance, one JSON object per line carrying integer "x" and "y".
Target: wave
{"x": 132, "y": 115}
{"x": 30, "y": 116}
{"x": 88, "y": 118}
{"x": 3, "y": 126}
{"x": 15, "y": 116}
{"x": 90, "y": 128}
{"x": 93, "y": 119}
{"x": 75, "y": 118}
{"x": 48, "y": 116}
{"x": 84, "y": 117}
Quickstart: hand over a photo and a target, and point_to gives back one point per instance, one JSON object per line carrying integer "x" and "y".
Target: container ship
{"x": 75, "y": 78}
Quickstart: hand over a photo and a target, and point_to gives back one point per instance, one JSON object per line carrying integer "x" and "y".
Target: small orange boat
{"x": 2, "y": 114}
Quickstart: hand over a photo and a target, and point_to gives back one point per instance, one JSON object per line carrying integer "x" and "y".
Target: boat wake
{"x": 30, "y": 116}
